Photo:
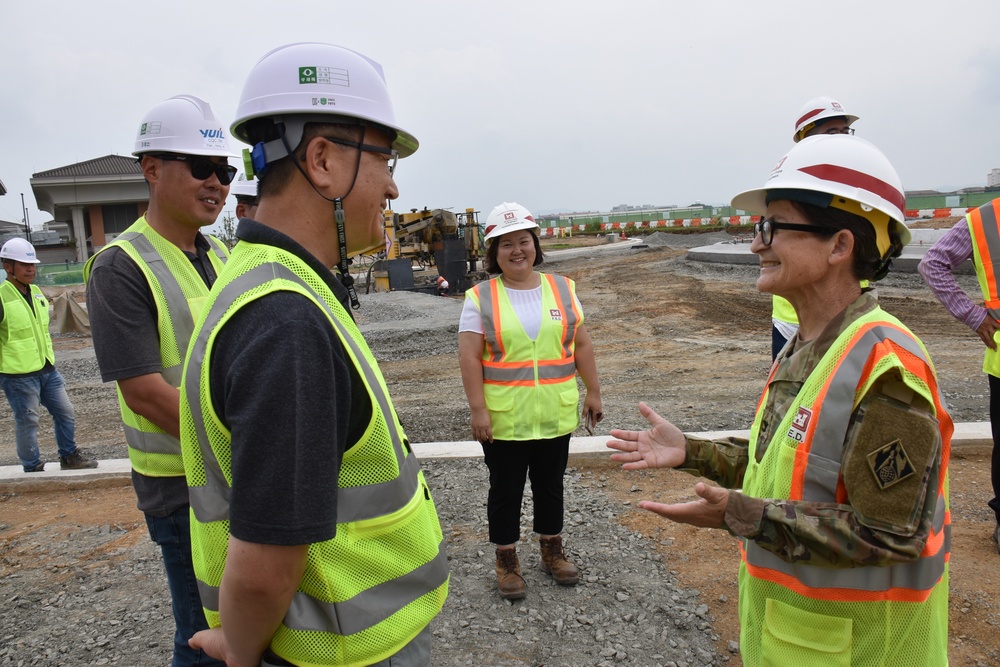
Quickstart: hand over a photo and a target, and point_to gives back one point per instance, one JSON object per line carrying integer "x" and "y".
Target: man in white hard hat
{"x": 245, "y": 191}
{"x": 316, "y": 539}
{"x": 820, "y": 115}
{"x": 27, "y": 363}
{"x": 144, "y": 293}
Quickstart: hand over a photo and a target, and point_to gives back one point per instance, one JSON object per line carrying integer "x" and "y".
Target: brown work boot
{"x": 554, "y": 561}
{"x": 509, "y": 579}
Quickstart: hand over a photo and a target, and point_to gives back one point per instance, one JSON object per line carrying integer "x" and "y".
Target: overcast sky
{"x": 558, "y": 105}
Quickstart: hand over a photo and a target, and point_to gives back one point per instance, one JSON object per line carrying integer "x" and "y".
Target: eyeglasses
{"x": 391, "y": 152}
{"x": 766, "y": 229}
{"x": 840, "y": 130}
{"x": 202, "y": 168}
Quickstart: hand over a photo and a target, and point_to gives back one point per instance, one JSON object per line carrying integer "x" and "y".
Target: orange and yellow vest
{"x": 371, "y": 589}
{"x": 25, "y": 343}
{"x": 800, "y": 614}
{"x": 984, "y": 228}
{"x": 530, "y": 385}
{"x": 179, "y": 293}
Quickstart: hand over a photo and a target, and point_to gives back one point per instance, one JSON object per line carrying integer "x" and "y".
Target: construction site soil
{"x": 81, "y": 584}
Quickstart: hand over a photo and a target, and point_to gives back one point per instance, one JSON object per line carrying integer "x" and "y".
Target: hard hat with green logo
{"x": 183, "y": 124}
{"x": 319, "y": 83}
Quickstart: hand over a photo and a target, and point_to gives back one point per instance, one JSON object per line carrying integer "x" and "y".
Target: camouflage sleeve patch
{"x": 891, "y": 451}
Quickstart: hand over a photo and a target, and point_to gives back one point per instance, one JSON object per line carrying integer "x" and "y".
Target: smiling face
{"x": 796, "y": 260}
{"x": 184, "y": 199}
{"x": 516, "y": 254}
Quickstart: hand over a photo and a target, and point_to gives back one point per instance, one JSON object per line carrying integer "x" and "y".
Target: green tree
{"x": 228, "y": 235}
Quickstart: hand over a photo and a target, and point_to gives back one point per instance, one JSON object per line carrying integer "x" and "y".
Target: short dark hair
{"x": 867, "y": 263}
{"x": 490, "y": 262}
{"x": 278, "y": 174}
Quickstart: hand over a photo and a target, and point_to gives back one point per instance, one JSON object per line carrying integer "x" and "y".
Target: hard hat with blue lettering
{"x": 815, "y": 112}
{"x": 843, "y": 172}
{"x": 311, "y": 82}
{"x": 19, "y": 250}
{"x": 508, "y": 217}
{"x": 183, "y": 124}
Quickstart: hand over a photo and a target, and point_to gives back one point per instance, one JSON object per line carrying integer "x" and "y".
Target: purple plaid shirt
{"x": 936, "y": 269}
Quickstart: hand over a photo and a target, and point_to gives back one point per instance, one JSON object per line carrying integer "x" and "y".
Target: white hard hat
{"x": 818, "y": 109}
{"x": 183, "y": 124}
{"x": 19, "y": 250}
{"x": 310, "y": 82}
{"x": 841, "y": 171}
{"x": 508, "y": 217}
{"x": 242, "y": 187}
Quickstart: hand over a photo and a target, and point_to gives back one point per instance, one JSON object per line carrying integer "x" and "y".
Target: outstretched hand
{"x": 661, "y": 446}
{"x": 709, "y": 511}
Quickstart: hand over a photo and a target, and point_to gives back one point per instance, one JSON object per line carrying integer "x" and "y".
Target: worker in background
{"x": 314, "y": 530}
{"x": 843, "y": 517}
{"x": 27, "y": 363}
{"x": 145, "y": 291}
{"x": 442, "y": 286}
{"x": 977, "y": 237}
{"x": 821, "y": 115}
{"x": 245, "y": 191}
{"x": 521, "y": 342}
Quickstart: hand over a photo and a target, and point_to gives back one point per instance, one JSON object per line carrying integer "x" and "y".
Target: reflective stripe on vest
{"x": 834, "y": 401}
{"x": 152, "y": 451}
{"x": 984, "y": 228}
{"x": 210, "y": 503}
{"x": 24, "y": 331}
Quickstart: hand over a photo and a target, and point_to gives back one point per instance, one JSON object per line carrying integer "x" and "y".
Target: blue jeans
{"x": 24, "y": 395}
{"x": 173, "y": 535}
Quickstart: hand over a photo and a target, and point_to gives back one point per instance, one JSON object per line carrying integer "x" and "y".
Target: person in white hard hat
{"x": 843, "y": 512}
{"x": 521, "y": 343}
{"x": 27, "y": 363}
{"x": 316, "y": 539}
{"x": 144, "y": 293}
{"x": 821, "y": 115}
{"x": 245, "y": 191}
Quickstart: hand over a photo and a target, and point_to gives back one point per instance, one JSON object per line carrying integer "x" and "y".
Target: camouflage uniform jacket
{"x": 827, "y": 534}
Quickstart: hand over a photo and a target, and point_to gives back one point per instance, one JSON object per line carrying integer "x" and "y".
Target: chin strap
{"x": 346, "y": 279}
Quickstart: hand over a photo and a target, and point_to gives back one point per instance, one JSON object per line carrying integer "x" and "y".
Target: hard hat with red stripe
{"x": 816, "y": 110}
{"x": 840, "y": 171}
{"x": 508, "y": 217}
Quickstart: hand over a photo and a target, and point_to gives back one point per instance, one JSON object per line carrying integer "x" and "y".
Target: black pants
{"x": 777, "y": 342}
{"x": 544, "y": 462}
{"x": 995, "y": 427}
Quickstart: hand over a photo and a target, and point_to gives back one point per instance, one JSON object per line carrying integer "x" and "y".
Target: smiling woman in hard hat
{"x": 843, "y": 517}
{"x": 521, "y": 343}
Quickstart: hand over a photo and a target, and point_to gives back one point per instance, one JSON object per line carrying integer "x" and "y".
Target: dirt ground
{"x": 692, "y": 340}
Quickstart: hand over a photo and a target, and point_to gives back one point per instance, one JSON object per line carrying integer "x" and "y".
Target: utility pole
{"x": 27, "y": 226}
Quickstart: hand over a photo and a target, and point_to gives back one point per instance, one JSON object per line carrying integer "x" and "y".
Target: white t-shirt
{"x": 527, "y": 304}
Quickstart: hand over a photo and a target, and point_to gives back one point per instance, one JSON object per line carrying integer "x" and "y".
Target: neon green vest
{"x": 25, "y": 343}
{"x": 984, "y": 229}
{"x": 782, "y": 309}
{"x": 371, "y": 589}
{"x": 799, "y": 614}
{"x": 530, "y": 385}
{"x": 179, "y": 293}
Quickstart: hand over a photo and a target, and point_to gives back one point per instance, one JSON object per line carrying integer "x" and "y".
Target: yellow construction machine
{"x": 423, "y": 244}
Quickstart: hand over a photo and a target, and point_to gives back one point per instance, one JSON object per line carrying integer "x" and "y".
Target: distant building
{"x": 92, "y": 201}
{"x": 993, "y": 178}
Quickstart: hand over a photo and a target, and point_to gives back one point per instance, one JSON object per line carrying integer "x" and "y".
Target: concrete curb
{"x": 118, "y": 472}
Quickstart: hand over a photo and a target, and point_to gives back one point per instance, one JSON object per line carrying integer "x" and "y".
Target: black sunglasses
{"x": 391, "y": 152}
{"x": 766, "y": 229}
{"x": 202, "y": 168}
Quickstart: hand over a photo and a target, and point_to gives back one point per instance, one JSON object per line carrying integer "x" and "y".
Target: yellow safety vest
{"x": 371, "y": 589}
{"x": 179, "y": 292}
{"x": 783, "y": 310}
{"x": 984, "y": 229}
{"x": 25, "y": 343}
{"x": 800, "y": 614}
{"x": 530, "y": 385}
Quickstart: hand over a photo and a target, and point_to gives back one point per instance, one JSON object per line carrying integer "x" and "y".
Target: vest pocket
{"x": 793, "y": 636}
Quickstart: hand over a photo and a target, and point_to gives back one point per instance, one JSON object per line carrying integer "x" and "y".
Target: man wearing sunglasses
{"x": 316, "y": 538}
{"x": 145, "y": 291}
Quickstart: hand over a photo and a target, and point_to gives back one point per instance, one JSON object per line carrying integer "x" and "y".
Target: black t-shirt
{"x": 126, "y": 335}
{"x": 284, "y": 386}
